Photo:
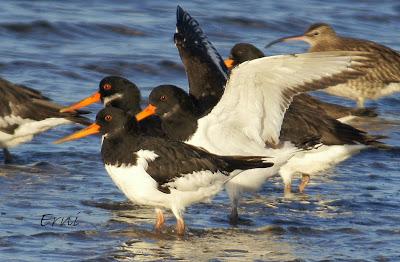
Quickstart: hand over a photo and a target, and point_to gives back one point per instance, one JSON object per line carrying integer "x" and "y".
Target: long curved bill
{"x": 285, "y": 39}
{"x": 90, "y": 130}
{"x": 229, "y": 63}
{"x": 148, "y": 111}
{"x": 84, "y": 102}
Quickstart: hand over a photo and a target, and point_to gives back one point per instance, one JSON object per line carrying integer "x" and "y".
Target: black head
{"x": 113, "y": 120}
{"x": 120, "y": 92}
{"x": 243, "y": 52}
{"x": 170, "y": 99}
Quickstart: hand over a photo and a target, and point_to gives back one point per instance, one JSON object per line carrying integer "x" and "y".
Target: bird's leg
{"x": 305, "y": 179}
{"x": 288, "y": 188}
{"x": 234, "y": 217}
{"x": 7, "y": 156}
{"x": 180, "y": 223}
{"x": 160, "y": 220}
{"x": 360, "y": 102}
{"x": 180, "y": 226}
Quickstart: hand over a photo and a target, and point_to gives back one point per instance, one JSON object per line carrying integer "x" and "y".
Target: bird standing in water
{"x": 158, "y": 172}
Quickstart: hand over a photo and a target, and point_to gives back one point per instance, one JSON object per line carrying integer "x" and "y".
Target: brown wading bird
{"x": 382, "y": 79}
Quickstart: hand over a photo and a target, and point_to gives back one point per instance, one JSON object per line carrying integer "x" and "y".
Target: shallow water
{"x": 350, "y": 212}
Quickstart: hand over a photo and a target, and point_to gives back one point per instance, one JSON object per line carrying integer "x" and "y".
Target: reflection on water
{"x": 204, "y": 244}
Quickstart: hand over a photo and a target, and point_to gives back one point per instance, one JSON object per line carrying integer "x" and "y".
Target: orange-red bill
{"x": 90, "y": 130}
{"x": 148, "y": 111}
{"x": 84, "y": 102}
{"x": 229, "y": 63}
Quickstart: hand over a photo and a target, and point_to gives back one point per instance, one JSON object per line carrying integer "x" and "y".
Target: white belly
{"x": 141, "y": 188}
{"x": 316, "y": 160}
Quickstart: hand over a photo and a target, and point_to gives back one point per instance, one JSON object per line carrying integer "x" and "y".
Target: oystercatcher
{"x": 248, "y": 118}
{"x": 162, "y": 173}
{"x": 381, "y": 79}
{"x": 25, "y": 112}
{"x": 205, "y": 71}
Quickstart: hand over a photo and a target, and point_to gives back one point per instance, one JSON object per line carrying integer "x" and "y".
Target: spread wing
{"x": 259, "y": 92}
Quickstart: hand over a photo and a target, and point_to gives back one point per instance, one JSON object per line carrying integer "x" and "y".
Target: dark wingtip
{"x": 180, "y": 14}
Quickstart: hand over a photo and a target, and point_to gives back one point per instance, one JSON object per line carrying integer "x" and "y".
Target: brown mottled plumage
{"x": 382, "y": 79}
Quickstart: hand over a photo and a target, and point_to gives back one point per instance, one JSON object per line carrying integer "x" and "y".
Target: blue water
{"x": 64, "y": 48}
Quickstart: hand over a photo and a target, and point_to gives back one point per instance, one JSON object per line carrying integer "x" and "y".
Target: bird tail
{"x": 247, "y": 162}
{"x": 373, "y": 140}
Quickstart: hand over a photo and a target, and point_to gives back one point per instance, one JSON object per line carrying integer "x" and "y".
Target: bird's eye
{"x": 163, "y": 98}
{"x": 316, "y": 33}
{"x": 108, "y": 118}
{"x": 107, "y": 86}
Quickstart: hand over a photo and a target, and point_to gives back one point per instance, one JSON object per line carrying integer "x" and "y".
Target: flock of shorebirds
{"x": 243, "y": 121}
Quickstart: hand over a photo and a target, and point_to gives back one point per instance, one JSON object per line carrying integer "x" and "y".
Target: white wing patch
{"x": 144, "y": 157}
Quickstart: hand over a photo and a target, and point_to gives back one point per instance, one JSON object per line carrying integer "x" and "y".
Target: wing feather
{"x": 259, "y": 92}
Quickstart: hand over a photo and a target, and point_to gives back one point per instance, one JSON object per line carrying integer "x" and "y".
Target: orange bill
{"x": 90, "y": 130}
{"x": 84, "y": 102}
{"x": 229, "y": 63}
{"x": 148, "y": 111}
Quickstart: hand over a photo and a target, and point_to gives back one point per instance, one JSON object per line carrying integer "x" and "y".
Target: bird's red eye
{"x": 107, "y": 86}
{"x": 108, "y": 118}
{"x": 163, "y": 98}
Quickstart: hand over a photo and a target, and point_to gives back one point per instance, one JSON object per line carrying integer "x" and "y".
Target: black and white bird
{"x": 119, "y": 92}
{"x": 162, "y": 173}
{"x": 248, "y": 118}
{"x": 25, "y": 112}
{"x": 302, "y": 122}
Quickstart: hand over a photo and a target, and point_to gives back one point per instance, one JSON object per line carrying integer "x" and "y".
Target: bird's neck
{"x": 119, "y": 147}
{"x": 332, "y": 43}
{"x": 181, "y": 126}
{"x": 132, "y": 107}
